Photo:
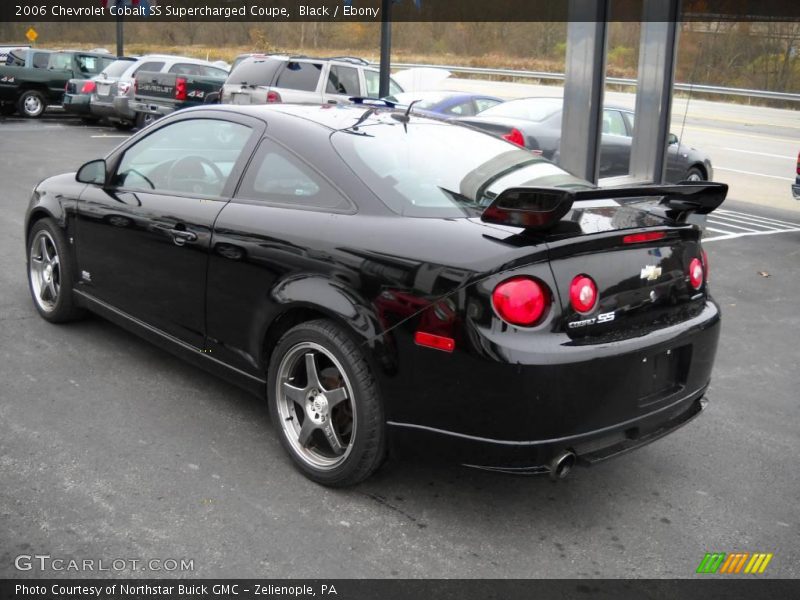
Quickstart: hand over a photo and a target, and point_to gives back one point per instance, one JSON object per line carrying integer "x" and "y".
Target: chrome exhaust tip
{"x": 562, "y": 464}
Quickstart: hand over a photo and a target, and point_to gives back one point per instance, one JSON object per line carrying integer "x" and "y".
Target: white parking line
{"x": 716, "y": 168}
{"x": 731, "y": 224}
{"x": 762, "y": 153}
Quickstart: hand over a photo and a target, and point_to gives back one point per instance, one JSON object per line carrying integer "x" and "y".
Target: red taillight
{"x": 88, "y": 87}
{"x": 273, "y": 97}
{"x": 515, "y": 137}
{"x": 583, "y": 294}
{"x": 696, "y": 273}
{"x": 639, "y": 238}
{"x": 521, "y": 301}
{"x": 437, "y": 342}
{"x": 180, "y": 88}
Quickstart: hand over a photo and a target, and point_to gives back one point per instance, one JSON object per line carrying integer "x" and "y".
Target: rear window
{"x": 117, "y": 68}
{"x": 301, "y": 76}
{"x": 531, "y": 110}
{"x": 93, "y": 65}
{"x": 198, "y": 71}
{"x": 438, "y": 170}
{"x": 254, "y": 71}
{"x": 151, "y": 67}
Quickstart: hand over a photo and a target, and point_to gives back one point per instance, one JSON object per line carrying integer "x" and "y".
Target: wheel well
{"x": 702, "y": 168}
{"x": 36, "y": 216}
{"x": 33, "y": 88}
{"x": 283, "y": 323}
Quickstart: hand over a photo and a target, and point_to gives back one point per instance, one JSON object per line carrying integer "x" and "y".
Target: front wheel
{"x": 144, "y": 119}
{"x": 32, "y": 104}
{"x": 695, "y": 174}
{"x": 50, "y": 276}
{"x": 324, "y": 402}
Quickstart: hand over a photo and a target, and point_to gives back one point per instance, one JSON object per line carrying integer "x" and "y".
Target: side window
{"x": 482, "y": 104}
{"x": 302, "y": 76}
{"x": 277, "y": 176}
{"x": 463, "y": 109}
{"x": 60, "y": 62}
{"x": 613, "y": 123}
{"x": 40, "y": 60}
{"x": 153, "y": 67}
{"x": 188, "y": 157}
{"x": 374, "y": 84}
{"x": 343, "y": 80}
{"x": 88, "y": 64}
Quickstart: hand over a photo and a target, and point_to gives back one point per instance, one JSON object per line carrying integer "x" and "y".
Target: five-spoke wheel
{"x": 324, "y": 403}
{"x": 49, "y": 272}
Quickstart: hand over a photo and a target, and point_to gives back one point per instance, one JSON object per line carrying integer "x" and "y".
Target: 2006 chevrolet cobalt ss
{"x": 390, "y": 283}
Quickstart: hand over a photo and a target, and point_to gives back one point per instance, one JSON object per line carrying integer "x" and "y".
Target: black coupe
{"x": 391, "y": 283}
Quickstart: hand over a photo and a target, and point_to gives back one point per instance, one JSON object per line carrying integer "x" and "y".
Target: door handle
{"x": 333, "y": 102}
{"x": 181, "y": 236}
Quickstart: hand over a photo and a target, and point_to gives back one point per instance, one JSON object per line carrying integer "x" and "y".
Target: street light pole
{"x": 386, "y": 47}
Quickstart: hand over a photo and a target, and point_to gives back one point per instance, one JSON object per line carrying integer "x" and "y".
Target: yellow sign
{"x": 31, "y": 35}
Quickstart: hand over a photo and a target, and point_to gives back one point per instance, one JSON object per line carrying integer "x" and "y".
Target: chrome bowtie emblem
{"x": 650, "y": 272}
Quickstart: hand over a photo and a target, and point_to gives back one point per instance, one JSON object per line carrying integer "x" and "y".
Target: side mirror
{"x": 673, "y": 139}
{"x": 93, "y": 171}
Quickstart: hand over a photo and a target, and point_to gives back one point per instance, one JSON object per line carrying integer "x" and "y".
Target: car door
{"x": 143, "y": 237}
{"x": 615, "y": 145}
{"x": 273, "y": 230}
{"x": 342, "y": 83}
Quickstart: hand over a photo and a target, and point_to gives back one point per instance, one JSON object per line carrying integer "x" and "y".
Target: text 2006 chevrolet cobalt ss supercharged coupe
{"x": 391, "y": 283}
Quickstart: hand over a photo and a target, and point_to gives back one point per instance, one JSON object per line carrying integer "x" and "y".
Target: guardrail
{"x": 683, "y": 87}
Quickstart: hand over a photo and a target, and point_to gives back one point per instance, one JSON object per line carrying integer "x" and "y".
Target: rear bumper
{"x": 151, "y": 108}
{"x": 597, "y": 400}
{"x": 77, "y": 104}
{"x": 796, "y": 191}
{"x": 534, "y": 457}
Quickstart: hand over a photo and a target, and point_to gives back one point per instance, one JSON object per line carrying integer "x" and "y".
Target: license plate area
{"x": 663, "y": 374}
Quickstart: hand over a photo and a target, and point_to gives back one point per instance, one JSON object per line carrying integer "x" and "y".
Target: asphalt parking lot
{"x": 111, "y": 448}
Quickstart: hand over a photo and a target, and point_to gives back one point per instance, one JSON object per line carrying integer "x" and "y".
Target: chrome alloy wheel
{"x": 33, "y": 105}
{"x": 315, "y": 406}
{"x": 44, "y": 270}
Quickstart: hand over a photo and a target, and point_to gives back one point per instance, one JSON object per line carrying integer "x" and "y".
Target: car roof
{"x": 330, "y": 116}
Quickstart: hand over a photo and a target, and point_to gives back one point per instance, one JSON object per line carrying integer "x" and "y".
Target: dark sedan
{"x": 535, "y": 123}
{"x": 449, "y": 104}
{"x": 391, "y": 283}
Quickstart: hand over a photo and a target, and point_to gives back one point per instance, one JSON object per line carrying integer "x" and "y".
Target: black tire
{"x": 31, "y": 104}
{"x": 59, "y": 305}
{"x": 695, "y": 174}
{"x": 350, "y": 388}
{"x": 144, "y": 119}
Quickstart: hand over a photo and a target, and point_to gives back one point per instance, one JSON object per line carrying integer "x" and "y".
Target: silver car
{"x": 113, "y": 95}
{"x": 302, "y": 80}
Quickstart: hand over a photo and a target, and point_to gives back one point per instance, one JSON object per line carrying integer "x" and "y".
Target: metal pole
{"x": 120, "y": 40}
{"x": 386, "y": 46}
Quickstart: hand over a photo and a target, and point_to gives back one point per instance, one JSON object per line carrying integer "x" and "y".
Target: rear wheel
{"x": 31, "y": 104}
{"x": 50, "y": 275}
{"x": 695, "y": 174}
{"x": 324, "y": 403}
{"x": 144, "y": 119}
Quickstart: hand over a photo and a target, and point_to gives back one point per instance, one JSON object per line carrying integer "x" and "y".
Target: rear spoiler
{"x": 541, "y": 208}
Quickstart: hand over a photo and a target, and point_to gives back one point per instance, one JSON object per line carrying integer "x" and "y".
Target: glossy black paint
{"x": 506, "y": 397}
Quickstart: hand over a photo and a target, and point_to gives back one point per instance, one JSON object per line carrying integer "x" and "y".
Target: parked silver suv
{"x": 301, "y": 79}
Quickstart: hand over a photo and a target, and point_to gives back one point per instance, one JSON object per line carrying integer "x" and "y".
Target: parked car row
{"x": 32, "y": 79}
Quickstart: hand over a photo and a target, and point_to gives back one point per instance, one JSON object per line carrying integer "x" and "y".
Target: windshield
{"x": 530, "y": 109}
{"x": 429, "y": 169}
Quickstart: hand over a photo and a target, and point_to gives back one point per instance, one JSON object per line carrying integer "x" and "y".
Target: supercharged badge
{"x": 601, "y": 318}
